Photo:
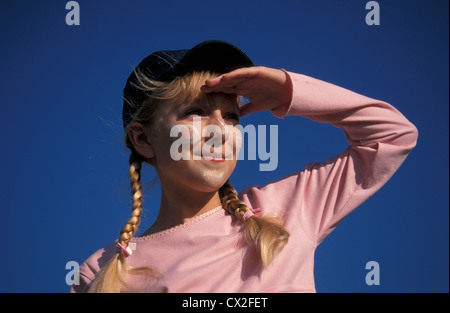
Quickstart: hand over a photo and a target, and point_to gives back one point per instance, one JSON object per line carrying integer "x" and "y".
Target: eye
{"x": 232, "y": 116}
{"x": 194, "y": 111}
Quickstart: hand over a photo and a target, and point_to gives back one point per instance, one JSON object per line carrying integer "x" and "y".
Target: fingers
{"x": 235, "y": 76}
{"x": 228, "y": 90}
{"x": 228, "y": 82}
{"x": 220, "y": 84}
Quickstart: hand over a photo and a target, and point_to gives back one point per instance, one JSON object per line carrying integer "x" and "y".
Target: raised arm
{"x": 322, "y": 194}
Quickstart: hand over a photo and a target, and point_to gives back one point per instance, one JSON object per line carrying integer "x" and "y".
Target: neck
{"x": 180, "y": 205}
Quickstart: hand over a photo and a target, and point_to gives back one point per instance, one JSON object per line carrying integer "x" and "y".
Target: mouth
{"x": 215, "y": 160}
{"x": 212, "y": 157}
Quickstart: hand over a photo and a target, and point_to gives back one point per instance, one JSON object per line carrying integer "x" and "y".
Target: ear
{"x": 139, "y": 137}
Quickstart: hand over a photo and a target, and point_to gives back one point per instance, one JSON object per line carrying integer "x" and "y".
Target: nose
{"x": 218, "y": 128}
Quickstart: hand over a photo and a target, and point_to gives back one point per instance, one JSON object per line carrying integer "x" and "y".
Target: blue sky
{"x": 64, "y": 186}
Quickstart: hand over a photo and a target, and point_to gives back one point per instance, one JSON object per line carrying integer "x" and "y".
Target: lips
{"x": 217, "y": 160}
{"x": 214, "y": 157}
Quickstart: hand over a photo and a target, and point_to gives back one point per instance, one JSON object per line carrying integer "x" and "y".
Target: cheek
{"x": 195, "y": 138}
{"x": 188, "y": 134}
{"x": 237, "y": 138}
{"x": 234, "y": 141}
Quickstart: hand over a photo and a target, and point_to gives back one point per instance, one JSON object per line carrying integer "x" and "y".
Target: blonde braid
{"x": 131, "y": 227}
{"x": 266, "y": 234}
{"x": 111, "y": 276}
{"x": 231, "y": 202}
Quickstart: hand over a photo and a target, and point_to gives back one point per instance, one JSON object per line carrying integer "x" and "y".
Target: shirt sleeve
{"x": 86, "y": 276}
{"x": 83, "y": 285}
{"x": 91, "y": 266}
{"x": 322, "y": 194}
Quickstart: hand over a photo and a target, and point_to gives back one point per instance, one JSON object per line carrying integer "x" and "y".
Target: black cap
{"x": 213, "y": 55}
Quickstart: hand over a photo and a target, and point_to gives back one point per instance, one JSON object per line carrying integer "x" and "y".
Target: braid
{"x": 231, "y": 202}
{"x": 131, "y": 227}
{"x": 111, "y": 276}
{"x": 266, "y": 234}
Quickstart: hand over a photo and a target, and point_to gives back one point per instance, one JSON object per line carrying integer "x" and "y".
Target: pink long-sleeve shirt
{"x": 206, "y": 254}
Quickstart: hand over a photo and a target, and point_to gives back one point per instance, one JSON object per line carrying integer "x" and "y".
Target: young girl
{"x": 207, "y": 238}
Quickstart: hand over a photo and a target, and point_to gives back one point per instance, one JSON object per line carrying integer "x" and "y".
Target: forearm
{"x": 364, "y": 120}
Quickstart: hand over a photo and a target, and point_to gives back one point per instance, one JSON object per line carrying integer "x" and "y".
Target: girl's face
{"x": 196, "y": 144}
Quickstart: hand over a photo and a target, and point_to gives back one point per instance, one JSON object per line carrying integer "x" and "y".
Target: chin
{"x": 209, "y": 180}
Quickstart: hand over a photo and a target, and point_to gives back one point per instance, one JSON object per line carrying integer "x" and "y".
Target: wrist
{"x": 286, "y": 94}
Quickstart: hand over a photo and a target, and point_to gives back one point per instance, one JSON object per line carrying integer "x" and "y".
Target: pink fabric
{"x": 206, "y": 254}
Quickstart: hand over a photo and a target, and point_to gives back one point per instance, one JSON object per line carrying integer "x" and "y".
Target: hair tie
{"x": 250, "y": 213}
{"x": 125, "y": 250}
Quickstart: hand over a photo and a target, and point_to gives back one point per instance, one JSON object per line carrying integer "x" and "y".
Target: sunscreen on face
{"x": 213, "y": 177}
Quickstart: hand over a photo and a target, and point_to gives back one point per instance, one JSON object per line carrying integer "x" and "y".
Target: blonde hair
{"x": 265, "y": 234}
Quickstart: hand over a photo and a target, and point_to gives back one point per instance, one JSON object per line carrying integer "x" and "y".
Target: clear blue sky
{"x": 64, "y": 186}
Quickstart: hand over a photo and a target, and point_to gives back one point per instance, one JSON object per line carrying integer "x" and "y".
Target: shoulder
{"x": 270, "y": 198}
{"x": 91, "y": 266}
